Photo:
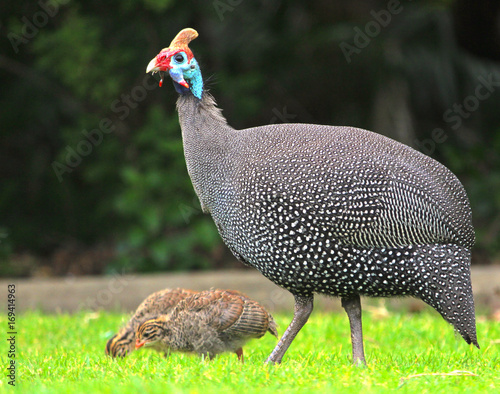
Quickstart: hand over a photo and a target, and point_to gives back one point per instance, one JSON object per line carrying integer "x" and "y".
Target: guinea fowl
{"x": 333, "y": 210}
{"x": 208, "y": 323}
{"x": 160, "y": 302}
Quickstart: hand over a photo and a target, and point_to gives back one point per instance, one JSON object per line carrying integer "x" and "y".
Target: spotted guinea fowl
{"x": 339, "y": 211}
{"x": 160, "y": 302}
{"x": 208, "y": 323}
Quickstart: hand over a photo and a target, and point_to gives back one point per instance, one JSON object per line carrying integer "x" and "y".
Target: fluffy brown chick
{"x": 158, "y": 303}
{"x": 208, "y": 323}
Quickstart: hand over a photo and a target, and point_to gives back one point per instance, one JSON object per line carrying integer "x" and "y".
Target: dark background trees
{"x": 93, "y": 174}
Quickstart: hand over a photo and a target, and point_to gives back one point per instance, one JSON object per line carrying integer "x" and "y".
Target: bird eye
{"x": 179, "y": 58}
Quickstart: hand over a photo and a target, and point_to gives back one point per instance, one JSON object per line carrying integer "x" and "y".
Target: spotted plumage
{"x": 160, "y": 302}
{"x": 334, "y": 210}
{"x": 207, "y": 323}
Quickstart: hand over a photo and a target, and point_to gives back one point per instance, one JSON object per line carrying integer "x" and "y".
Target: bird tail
{"x": 444, "y": 283}
{"x": 273, "y": 327}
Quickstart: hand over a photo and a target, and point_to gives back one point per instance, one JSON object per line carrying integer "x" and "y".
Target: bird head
{"x": 179, "y": 62}
{"x": 150, "y": 333}
{"x": 120, "y": 344}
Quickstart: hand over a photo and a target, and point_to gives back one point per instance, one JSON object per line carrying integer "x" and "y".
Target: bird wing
{"x": 230, "y": 313}
{"x": 158, "y": 303}
{"x": 215, "y": 308}
{"x": 357, "y": 187}
{"x": 253, "y": 322}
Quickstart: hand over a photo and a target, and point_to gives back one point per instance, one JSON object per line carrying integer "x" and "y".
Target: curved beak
{"x": 152, "y": 66}
{"x": 139, "y": 344}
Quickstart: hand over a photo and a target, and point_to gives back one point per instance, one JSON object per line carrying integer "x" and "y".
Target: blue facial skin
{"x": 189, "y": 71}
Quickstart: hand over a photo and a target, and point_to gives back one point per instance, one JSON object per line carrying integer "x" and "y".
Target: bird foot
{"x": 239, "y": 353}
{"x": 359, "y": 362}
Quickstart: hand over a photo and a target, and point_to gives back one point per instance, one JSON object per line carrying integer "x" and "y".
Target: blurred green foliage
{"x": 91, "y": 150}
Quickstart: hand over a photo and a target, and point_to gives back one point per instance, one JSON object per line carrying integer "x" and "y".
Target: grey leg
{"x": 303, "y": 308}
{"x": 352, "y": 306}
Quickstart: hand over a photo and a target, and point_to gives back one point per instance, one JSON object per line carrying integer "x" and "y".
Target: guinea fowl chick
{"x": 160, "y": 302}
{"x": 208, "y": 323}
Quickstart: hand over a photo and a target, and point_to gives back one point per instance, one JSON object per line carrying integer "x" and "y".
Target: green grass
{"x": 65, "y": 354}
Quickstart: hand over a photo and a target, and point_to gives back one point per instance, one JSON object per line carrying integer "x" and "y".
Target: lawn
{"x": 406, "y": 353}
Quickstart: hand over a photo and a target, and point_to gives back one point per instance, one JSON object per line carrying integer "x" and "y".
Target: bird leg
{"x": 239, "y": 353}
{"x": 352, "y": 306}
{"x": 303, "y": 308}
